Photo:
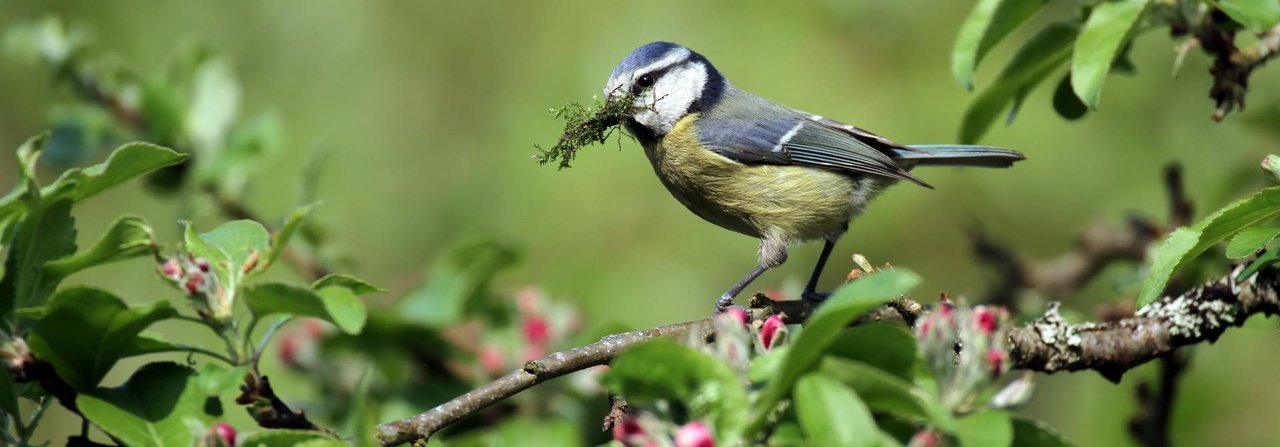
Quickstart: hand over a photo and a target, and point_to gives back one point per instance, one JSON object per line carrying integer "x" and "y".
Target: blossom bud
{"x": 772, "y": 331}
{"x": 925, "y": 438}
{"x": 536, "y": 330}
{"x": 694, "y": 434}
{"x": 171, "y": 269}
{"x": 1271, "y": 167}
{"x": 223, "y": 434}
{"x": 1016, "y": 394}
{"x": 492, "y": 360}
{"x": 202, "y": 264}
{"x": 984, "y": 320}
{"x": 736, "y": 314}
{"x": 995, "y": 361}
{"x": 628, "y": 429}
{"x": 194, "y": 281}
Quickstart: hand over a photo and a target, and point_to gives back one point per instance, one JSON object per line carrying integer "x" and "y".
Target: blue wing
{"x": 802, "y": 141}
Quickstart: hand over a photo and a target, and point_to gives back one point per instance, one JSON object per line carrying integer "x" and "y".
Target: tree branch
{"x": 1048, "y": 344}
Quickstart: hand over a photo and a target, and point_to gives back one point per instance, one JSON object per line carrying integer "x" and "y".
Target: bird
{"x": 755, "y": 167}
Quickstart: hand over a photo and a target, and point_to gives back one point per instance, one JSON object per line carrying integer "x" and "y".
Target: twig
{"x": 1047, "y": 345}
{"x": 1050, "y": 344}
{"x": 269, "y": 411}
{"x": 1150, "y": 426}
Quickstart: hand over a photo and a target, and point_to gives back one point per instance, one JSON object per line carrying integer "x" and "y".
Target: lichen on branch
{"x": 586, "y": 125}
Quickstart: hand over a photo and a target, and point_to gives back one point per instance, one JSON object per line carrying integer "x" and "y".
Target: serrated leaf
{"x": 889, "y": 347}
{"x": 126, "y": 162}
{"x": 1249, "y": 240}
{"x": 154, "y": 408}
{"x": 280, "y": 438}
{"x": 336, "y": 305}
{"x": 1033, "y": 433}
{"x": 460, "y": 276}
{"x": 988, "y": 428}
{"x": 216, "y": 380}
{"x": 1036, "y": 60}
{"x": 822, "y": 328}
{"x": 984, "y": 27}
{"x": 832, "y": 414}
{"x": 239, "y": 240}
{"x": 84, "y": 331}
{"x": 1257, "y": 15}
{"x": 664, "y": 369}
{"x": 1104, "y": 32}
{"x": 886, "y": 393}
{"x": 148, "y": 343}
{"x": 47, "y": 233}
{"x": 280, "y": 239}
{"x": 356, "y": 285}
{"x": 1184, "y": 244}
{"x": 127, "y": 237}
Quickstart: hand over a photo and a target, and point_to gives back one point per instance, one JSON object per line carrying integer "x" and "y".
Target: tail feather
{"x": 958, "y": 155}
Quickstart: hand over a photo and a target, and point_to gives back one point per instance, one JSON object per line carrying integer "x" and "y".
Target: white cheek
{"x": 671, "y": 97}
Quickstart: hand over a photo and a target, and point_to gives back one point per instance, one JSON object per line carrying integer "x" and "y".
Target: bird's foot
{"x": 810, "y": 295}
{"x": 723, "y": 304}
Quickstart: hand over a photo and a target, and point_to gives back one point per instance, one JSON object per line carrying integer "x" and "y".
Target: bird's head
{"x": 672, "y": 81}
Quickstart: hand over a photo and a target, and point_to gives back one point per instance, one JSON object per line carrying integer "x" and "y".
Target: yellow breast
{"x": 789, "y": 203}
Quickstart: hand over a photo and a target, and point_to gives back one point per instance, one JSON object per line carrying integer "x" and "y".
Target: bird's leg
{"x": 810, "y": 292}
{"x": 727, "y": 299}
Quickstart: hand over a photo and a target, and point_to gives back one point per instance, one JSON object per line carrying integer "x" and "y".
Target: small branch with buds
{"x": 1048, "y": 344}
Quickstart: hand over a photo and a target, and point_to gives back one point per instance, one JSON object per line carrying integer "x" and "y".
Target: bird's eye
{"x": 645, "y": 81}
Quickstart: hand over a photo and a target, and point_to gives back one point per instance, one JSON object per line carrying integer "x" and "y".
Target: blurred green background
{"x": 429, "y": 112}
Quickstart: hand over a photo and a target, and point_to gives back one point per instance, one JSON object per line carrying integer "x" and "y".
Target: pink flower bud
{"x": 492, "y": 360}
{"x": 995, "y": 361}
{"x": 171, "y": 269}
{"x": 924, "y": 326}
{"x": 694, "y": 434}
{"x": 202, "y": 264}
{"x": 536, "y": 330}
{"x": 194, "y": 281}
{"x": 287, "y": 353}
{"x": 628, "y": 429}
{"x": 984, "y": 320}
{"x": 770, "y": 331}
{"x": 736, "y": 314}
{"x": 925, "y": 438}
{"x": 226, "y": 434}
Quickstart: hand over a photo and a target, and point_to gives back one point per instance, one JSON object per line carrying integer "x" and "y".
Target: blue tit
{"x": 759, "y": 168}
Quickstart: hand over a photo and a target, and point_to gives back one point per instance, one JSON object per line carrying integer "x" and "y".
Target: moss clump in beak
{"x": 585, "y": 126}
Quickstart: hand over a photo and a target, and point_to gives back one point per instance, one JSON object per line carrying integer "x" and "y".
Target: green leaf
{"x": 154, "y": 408}
{"x": 831, "y": 414}
{"x": 216, "y": 380}
{"x": 1269, "y": 258}
{"x": 213, "y": 105}
{"x": 280, "y": 438}
{"x": 988, "y": 23}
{"x": 1249, "y": 240}
{"x": 1105, "y": 31}
{"x": 238, "y": 239}
{"x": 460, "y": 276}
{"x": 126, "y": 162}
{"x": 664, "y": 369}
{"x": 886, "y": 393}
{"x": 148, "y": 343}
{"x": 822, "y": 328}
{"x": 889, "y": 347}
{"x": 988, "y": 428}
{"x": 1065, "y": 101}
{"x": 8, "y": 395}
{"x": 1257, "y": 15}
{"x": 127, "y": 237}
{"x": 84, "y": 331}
{"x": 200, "y": 248}
{"x": 357, "y": 286}
{"x": 337, "y": 305}
{"x": 1035, "y": 61}
{"x": 47, "y": 233}
{"x": 1186, "y": 243}
{"x": 1033, "y": 433}
{"x": 280, "y": 239}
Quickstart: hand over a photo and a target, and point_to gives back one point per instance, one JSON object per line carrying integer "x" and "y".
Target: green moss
{"x": 585, "y": 126}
